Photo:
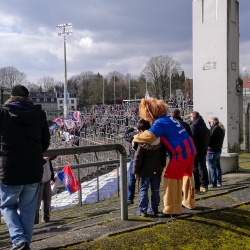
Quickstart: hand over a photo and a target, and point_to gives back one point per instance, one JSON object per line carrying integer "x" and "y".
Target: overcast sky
{"x": 108, "y": 35}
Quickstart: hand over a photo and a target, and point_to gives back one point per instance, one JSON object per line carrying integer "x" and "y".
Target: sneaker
{"x": 211, "y": 186}
{"x": 142, "y": 213}
{"x": 219, "y": 185}
{"x": 203, "y": 190}
{"x": 21, "y": 246}
{"x": 130, "y": 203}
{"x": 154, "y": 213}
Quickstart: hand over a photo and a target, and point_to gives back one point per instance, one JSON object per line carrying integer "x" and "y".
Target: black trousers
{"x": 44, "y": 196}
{"x": 200, "y": 171}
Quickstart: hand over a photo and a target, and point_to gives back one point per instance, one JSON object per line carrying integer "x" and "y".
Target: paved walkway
{"x": 99, "y": 219}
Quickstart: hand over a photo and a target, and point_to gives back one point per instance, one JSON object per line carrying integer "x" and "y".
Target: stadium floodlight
{"x": 64, "y": 33}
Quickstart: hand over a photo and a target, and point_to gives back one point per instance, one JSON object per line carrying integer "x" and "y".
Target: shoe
{"x": 130, "y": 203}
{"x": 219, "y": 185}
{"x": 203, "y": 190}
{"x": 154, "y": 213}
{"x": 212, "y": 186}
{"x": 142, "y": 213}
{"x": 21, "y": 246}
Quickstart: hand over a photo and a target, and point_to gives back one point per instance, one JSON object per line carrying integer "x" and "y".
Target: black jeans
{"x": 44, "y": 196}
{"x": 200, "y": 171}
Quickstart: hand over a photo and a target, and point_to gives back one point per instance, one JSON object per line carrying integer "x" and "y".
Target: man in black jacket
{"x": 217, "y": 134}
{"x": 177, "y": 115}
{"x": 24, "y": 136}
{"x": 129, "y": 136}
{"x": 201, "y": 135}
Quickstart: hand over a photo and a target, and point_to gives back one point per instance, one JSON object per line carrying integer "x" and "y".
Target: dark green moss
{"x": 229, "y": 229}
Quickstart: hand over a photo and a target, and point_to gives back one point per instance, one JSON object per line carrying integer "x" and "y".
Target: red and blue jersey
{"x": 174, "y": 136}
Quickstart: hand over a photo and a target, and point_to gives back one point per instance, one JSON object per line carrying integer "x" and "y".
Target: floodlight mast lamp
{"x": 64, "y": 33}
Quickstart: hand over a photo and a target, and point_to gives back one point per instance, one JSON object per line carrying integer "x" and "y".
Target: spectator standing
{"x": 44, "y": 194}
{"x": 177, "y": 115}
{"x": 217, "y": 134}
{"x": 201, "y": 135}
{"x": 24, "y": 137}
{"x": 129, "y": 136}
{"x": 149, "y": 161}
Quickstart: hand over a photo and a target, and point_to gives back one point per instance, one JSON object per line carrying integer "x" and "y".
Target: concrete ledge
{"x": 229, "y": 162}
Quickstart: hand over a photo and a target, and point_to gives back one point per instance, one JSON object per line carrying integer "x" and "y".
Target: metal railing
{"x": 94, "y": 149}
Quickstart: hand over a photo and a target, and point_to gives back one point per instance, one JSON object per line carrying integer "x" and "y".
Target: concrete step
{"x": 92, "y": 221}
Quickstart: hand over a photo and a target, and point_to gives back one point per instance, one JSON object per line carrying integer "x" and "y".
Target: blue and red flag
{"x": 68, "y": 180}
{"x": 58, "y": 121}
{"x": 76, "y": 116}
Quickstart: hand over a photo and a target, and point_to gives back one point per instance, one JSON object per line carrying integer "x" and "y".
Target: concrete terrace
{"x": 93, "y": 221}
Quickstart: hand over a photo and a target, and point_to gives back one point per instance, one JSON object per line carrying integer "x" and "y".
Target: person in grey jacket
{"x": 44, "y": 194}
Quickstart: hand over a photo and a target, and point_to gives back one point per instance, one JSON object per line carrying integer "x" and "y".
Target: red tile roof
{"x": 246, "y": 83}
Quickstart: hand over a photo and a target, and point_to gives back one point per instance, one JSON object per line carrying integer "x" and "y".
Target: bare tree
{"x": 10, "y": 76}
{"x": 246, "y": 72}
{"x": 158, "y": 71}
{"x": 47, "y": 83}
{"x": 116, "y": 79}
{"x": 32, "y": 87}
{"x": 81, "y": 83}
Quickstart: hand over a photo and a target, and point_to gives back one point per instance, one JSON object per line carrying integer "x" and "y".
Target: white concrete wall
{"x": 216, "y": 43}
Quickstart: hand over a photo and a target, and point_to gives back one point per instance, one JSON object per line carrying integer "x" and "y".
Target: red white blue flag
{"x": 68, "y": 180}
{"x": 58, "y": 121}
{"x": 76, "y": 116}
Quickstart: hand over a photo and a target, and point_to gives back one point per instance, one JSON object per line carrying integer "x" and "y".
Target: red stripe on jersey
{"x": 195, "y": 152}
{"x": 170, "y": 148}
{"x": 187, "y": 147}
{"x": 179, "y": 151}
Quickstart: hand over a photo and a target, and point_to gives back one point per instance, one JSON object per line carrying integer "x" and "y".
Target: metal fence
{"x": 95, "y": 149}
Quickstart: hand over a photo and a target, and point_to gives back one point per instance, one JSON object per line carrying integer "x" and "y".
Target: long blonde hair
{"x": 216, "y": 121}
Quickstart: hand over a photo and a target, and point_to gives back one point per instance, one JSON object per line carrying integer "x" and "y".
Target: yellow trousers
{"x": 173, "y": 195}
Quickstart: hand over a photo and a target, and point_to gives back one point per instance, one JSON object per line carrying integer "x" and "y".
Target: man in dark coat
{"x": 24, "y": 136}
{"x": 217, "y": 134}
{"x": 201, "y": 136}
{"x": 177, "y": 115}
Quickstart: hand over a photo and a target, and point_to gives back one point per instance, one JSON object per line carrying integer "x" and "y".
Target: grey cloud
{"x": 124, "y": 33}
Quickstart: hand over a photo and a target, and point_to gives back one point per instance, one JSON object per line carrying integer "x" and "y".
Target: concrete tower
{"x": 217, "y": 87}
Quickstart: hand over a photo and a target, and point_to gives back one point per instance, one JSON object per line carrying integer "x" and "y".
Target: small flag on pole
{"x": 76, "y": 115}
{"x": 68, "y": 180}
{"x": 58, "y": 121}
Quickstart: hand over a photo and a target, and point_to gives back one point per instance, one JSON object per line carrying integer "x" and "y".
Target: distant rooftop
{"x": 61, "y": 90}
{"x": 42, "y": 95}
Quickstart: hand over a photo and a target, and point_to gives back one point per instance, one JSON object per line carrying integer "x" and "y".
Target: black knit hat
{"x": 20, "y": 90}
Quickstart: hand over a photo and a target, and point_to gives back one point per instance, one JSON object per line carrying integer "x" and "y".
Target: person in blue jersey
{"x": 181, "y": 150}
